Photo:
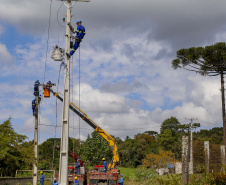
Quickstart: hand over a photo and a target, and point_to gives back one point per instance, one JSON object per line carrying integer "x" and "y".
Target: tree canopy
{"x": 209, "y": 60}
{"x": 143, "y": 149}
{"x": 15, "y": 153}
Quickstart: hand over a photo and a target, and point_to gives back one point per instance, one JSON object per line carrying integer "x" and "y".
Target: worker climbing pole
{"x": 63, "y": 168}
{"x": 35, "y": 104}
{"x": 80, "y": 33}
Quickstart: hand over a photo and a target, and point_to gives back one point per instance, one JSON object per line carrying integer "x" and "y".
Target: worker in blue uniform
{"x": 42, "y": 178}
{"x": 105, "y": 165}
{"x": 75, "y": 182}
{"x": 36, "y": 88}
{"x": 34, "y": 107}
{"x": 121, "y": 180}
{"x": 78, "y": 164}
{"x": 80, "y": 33}
{"x": 55, "y": 182}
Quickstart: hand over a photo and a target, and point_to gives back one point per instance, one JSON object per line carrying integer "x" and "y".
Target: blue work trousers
{"x": 78, "y": 170}
{"x": 34, "y": 112}
{"x": 75, "y": 47}
{"x": 41, "y": 182}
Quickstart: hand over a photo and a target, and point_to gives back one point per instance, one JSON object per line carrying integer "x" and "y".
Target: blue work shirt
{"x": 105, "y": 164}
{"x": 80, "y": 31}
{"x": 37, "y": 83}
{"x": 55, "y": 183}
{"x": 42, "y": 178}
{"x": 75, "y": 182}
{"x": 78, "y": 167}
{"x": 121, "y": 181}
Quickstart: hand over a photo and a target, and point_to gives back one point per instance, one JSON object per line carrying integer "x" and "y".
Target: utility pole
{"x": 191, "y": 148}
{"x": 191, "y": 126}
{"x": 185, "y": 173}
{"x": 35, "y": 167}
{"x": 63, "y": 168}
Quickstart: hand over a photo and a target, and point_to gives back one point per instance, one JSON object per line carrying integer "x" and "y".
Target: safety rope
{"x": 72, "y": 68}
{"x": 54, "y": 141}
{"x": 79, "y": 100}
{"x": 47, "y": 45}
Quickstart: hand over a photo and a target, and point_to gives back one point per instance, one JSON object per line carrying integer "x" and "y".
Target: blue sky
{"x": 127, "y": 84}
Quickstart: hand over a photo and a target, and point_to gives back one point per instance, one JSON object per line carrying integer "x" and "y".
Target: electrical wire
{"x": 79, "y": 96}
{"x": 54, "y": 141}
{"x": 47, "y": 44}
{"x": 84, "y": 128}
{"x": 73, "y": 119}
{"x": 58, "y": 17}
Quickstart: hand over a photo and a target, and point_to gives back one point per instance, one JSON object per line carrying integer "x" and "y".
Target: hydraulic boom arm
{"x": 99, "y": 130}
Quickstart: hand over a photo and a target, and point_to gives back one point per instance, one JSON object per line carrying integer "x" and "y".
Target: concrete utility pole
{"x": 222, "y": 154}
{"x": 63, "y": 168}
{"x": 191, "y": 149}
{"x": 207, "y": 156}
{"x": 191, "y": 165}
{"x": 35, "y": 167}
{"x": 185, "y": 173}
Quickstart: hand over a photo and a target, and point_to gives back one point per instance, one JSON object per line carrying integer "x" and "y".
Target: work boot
{"x": 68, "y": 55}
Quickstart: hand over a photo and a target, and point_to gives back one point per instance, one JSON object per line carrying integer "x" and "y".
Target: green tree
{"x": 167, "y": 140}
{"x": 46, "y": 154}
{"x": 132, "y": 151}
{"x": 95, "y": 148}
{"x": 15, "y": 154}
{"x": 171, "y": 123}
{"x": 208, "y": 61}
{"x": 171, "y": 132}
{"x": 151, "y": 133}
{"x": 213, "y": 135}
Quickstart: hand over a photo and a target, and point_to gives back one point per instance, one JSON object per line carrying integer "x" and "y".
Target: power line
{"x": 47, "y": 45}
{"x": 51, "y": 125}
{"x": 57, "y": 15}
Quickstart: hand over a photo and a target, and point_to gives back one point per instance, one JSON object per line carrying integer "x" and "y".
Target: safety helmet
{"x": 78, "y": 21}
{"x": 54, "y": 179}
{"x": 41, "y": 172}
{"x": 122, "y": 175}
{"x": 103, "y": 159}
{"x": 76, "y": 177}
{"x": 35, "y": 99}
{"x": 78, "y": 159}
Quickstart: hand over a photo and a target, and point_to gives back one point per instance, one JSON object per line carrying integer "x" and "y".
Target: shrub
{"x": 145, "y": 175}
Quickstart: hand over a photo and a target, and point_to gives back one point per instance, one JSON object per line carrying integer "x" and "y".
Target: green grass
{"x": 128, "y": 173}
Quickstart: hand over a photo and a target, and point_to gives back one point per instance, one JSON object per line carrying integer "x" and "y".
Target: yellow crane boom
{"x": 104, "y": 134}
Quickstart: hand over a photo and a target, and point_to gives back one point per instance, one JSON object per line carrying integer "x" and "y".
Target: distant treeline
{"x": 16, "y": 153}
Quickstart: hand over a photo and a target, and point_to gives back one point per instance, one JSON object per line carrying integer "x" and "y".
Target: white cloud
{"x": 6, "y": 57}
{"x": 126, "y": 73}
{"x": 96, "y": 101}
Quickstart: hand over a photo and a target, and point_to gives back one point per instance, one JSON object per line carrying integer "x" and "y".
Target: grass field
{"x": 128, "y": 173}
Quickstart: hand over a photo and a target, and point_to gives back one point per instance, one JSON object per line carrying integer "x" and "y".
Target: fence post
{"x": 223, "y": 157}
{"x": 207, "y": 156}
{"x": 185, "y": 171}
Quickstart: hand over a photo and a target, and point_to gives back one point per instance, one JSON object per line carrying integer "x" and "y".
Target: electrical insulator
{"x": 57, "y": 54}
